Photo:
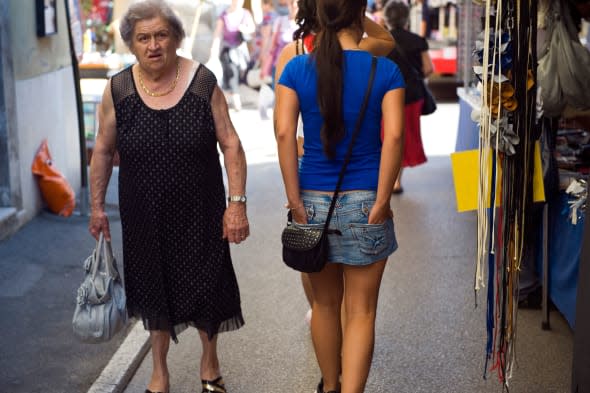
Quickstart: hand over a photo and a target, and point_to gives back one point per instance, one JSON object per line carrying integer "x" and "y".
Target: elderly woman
{"x": 166, "y": 116}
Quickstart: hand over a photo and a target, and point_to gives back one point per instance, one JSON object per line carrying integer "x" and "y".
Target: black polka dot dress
{"x": 178, "y": 269}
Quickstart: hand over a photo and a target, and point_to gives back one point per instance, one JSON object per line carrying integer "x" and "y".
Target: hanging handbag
{"x": 563, "y": 66}
{"x": 100, "y": 303}
{"x": 429, "y": 105}
{"x": 306, "y": 249}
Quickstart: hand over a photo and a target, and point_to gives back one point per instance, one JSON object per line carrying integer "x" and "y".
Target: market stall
{"x": 519, "y": 96}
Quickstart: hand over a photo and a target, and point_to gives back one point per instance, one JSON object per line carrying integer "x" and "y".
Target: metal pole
{"x": 83, "y": 207}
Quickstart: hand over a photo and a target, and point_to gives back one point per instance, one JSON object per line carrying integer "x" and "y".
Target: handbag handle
{"x": 357, "y": 129}
{"x": 104, "y": 249}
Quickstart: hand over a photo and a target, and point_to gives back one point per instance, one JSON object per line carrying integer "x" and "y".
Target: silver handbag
{"x": 100, "y": 303}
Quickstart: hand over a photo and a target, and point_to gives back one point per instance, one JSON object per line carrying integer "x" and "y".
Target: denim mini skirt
{"x": 359, "y": 243}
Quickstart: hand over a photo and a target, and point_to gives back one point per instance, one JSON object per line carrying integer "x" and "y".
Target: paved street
{"x": 429, "y": 336}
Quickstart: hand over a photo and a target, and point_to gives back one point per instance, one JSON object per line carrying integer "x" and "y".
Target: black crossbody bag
{"x": 306, "y": 249}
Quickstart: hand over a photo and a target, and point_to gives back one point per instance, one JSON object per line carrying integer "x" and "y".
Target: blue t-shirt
{"x": 316, "y": 171}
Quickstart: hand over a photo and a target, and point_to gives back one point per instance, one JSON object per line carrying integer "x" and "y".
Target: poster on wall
{"x": 46, "y": 14}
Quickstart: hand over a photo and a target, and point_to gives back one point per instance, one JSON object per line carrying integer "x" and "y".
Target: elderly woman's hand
{"x": 99, "y": 222}
{"x": 235, "y": 223}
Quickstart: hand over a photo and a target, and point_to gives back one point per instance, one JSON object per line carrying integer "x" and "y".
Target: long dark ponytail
{"x": 333, "y": 16}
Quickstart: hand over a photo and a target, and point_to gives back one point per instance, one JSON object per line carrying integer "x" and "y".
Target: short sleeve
{"x": 423, "y": 44}
{"x": 394, "y": 78}
{"x": 289, "y": 76}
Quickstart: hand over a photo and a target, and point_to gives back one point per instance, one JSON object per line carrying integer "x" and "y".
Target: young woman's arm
{"x": 391, "y": 153}
{"x": 287, "y": 53}
{"x": 287, "y": 112}
{"x": 378, "y": 40}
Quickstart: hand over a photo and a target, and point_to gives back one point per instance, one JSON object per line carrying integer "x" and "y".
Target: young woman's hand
{"x": 298, "y": 214}
{"x": 380, "y": 213}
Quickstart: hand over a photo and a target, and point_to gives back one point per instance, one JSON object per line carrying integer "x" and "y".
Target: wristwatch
{"x": 237, "y": 198}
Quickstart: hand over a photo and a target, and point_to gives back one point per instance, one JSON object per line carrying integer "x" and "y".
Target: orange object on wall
{"x": 55, "y": 189}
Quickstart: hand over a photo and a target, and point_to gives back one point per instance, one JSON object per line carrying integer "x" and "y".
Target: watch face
{"x": 237, "y": 198}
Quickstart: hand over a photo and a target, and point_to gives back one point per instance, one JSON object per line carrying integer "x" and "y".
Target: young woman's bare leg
{"x": 360, "y": 302}
{"x": 326, "y": 330}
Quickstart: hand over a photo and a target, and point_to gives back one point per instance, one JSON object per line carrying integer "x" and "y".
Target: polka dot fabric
{"x": 178, "y": 269}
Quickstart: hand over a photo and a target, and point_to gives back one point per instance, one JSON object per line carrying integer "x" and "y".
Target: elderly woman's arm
{"x": 235, "y": 221}
{"x": 101, "y": 165}
{"x": 378, "y": 41}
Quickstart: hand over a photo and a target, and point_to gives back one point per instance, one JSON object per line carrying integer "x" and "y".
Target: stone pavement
{"x": 40, "y": 271}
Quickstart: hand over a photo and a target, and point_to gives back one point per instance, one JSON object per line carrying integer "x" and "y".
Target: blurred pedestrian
{"x": 411, "y": 55}
{"x": 235, "y": 27}
{"x": 264, "y": 36}
{"x": 282, "y": 33}
{"x": 264, "y": 60}
{"x": 377, "y": 12}
{"x": 327, "y": 87}
{"x": 166, "y": 117}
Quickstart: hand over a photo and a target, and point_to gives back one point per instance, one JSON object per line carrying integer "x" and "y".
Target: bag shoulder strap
{"x": 355, "y": 133}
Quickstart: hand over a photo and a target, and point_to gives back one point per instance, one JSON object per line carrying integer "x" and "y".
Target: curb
{"x": 124, "y": 363}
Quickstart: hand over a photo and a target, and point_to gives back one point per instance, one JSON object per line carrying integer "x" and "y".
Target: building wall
{"x": 34, "y": 56}
{"x": 41, "y": 81}
{"x": 46, "y": 109}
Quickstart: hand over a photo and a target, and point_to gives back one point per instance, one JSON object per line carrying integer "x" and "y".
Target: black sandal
{"x": 215, "y": 386}
{"x": 320, "y": 388}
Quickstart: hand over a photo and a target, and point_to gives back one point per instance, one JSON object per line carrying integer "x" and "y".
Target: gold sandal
{"x": 215, "y": 386}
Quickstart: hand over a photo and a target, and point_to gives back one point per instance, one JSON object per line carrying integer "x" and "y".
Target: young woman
{"x": 327, "y": 87}
{"x": 378, "y": 41}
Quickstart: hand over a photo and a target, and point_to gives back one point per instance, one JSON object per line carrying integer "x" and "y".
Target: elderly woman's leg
{"x": 160, "y": 340}
{"x": 209, "y": 361}
{"x": 325, "y": 323}
{"x": 360, "y": 301}
{"x": 211, "y": 379}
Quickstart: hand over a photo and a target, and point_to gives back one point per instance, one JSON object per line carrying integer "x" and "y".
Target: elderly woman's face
{"x": 153, "y": 44}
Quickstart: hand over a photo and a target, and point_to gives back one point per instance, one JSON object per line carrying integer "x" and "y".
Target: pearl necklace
{"x": 156, "y": 94}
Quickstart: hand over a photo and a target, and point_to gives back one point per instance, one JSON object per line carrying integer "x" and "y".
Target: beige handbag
{"x": 100, "y": 304}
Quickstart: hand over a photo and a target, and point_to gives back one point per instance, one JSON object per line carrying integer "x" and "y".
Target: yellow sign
{"x": 466, "y": 172}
